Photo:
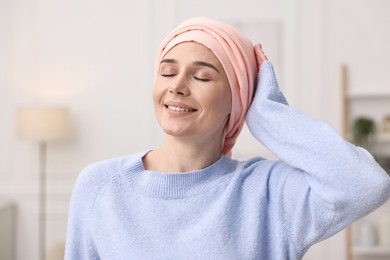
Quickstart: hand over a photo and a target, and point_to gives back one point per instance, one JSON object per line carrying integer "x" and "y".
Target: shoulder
{"x": 96, "y": 175}
{"x": 260, "y": 176}
{"x": 258, "y": 166}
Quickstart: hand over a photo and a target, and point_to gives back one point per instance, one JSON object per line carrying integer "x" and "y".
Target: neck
{"x": 180, "y": 155}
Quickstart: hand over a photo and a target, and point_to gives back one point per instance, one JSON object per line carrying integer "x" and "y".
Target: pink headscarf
{"x": 237, "y": 56}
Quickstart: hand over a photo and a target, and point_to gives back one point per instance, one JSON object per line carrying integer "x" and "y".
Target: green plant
{"x": 363, "y": 130}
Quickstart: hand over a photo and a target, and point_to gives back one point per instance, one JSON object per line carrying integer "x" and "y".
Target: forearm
{"x": 336, "y": 170}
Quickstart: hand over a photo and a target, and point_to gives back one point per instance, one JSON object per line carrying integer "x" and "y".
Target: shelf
{"x": 371, "y": 101}
{"x": 371, "y": 251}
{"x": 380, "y": 138}
{"x": 383, "y": 138}
{"x": 369, "y": 93}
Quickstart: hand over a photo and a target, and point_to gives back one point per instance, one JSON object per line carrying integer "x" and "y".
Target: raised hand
{"x": 260, "y": 56}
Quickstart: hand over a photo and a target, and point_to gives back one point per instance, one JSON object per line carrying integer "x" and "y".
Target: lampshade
{"x": 43, "y": 123}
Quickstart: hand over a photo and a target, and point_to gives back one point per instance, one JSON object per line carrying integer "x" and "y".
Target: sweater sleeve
{"x": 327, "y": 182}
{"x": 79, "y": 241}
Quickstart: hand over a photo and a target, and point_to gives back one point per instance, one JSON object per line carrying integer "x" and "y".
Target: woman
{"x": 187, "y": 200}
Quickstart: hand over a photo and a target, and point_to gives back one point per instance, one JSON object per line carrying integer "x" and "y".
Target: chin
{"x": 176, "y": 129}
{"x": 175, "y": 132}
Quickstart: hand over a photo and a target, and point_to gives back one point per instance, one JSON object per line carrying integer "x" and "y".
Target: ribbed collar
{"x": 171, "y": 185}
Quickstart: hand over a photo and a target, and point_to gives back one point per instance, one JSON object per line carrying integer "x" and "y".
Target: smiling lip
{"x": 179, "y": 107}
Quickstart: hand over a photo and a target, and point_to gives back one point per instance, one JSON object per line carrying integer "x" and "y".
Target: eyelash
{"x": 203, "y": 80}
{"x": 172, "y": 75}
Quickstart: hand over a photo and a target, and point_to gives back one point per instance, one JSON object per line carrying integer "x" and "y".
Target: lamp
{"x": 42, "y": 125}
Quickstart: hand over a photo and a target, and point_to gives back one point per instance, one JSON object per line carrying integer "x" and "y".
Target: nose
{"x": 179, "y": 87}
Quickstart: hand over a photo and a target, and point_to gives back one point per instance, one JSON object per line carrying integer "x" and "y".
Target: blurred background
{"x": 95, "y": 61}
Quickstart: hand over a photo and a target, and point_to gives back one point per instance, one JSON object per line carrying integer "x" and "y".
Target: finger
{"x": 259, "y": 60}
{"x": 260, "y": 57}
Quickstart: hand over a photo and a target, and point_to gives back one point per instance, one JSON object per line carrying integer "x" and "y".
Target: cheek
{"x": 156, "y": 94}
{"x": 220, "y": 103}
{"x": 226, "y": 101}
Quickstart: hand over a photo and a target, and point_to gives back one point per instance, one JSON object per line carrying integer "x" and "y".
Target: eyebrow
{"x": 196, "y": 63}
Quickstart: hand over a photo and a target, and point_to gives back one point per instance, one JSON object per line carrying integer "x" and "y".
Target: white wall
{"x": 356, "y": 33}
{"x": 92, "y": 56}
{"x": 96, "y": 57}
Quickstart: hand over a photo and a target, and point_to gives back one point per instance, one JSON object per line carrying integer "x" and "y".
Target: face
{"x": 191, "y": 94}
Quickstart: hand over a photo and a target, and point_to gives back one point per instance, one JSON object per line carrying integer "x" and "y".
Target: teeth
{"x": 179, "y": 109}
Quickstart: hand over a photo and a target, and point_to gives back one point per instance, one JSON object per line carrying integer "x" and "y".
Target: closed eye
{"x": 202, "y": 79}
{"x": 168, "y": 75}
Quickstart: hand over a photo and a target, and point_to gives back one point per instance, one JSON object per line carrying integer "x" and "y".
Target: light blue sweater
{"x": 256, "y": 209}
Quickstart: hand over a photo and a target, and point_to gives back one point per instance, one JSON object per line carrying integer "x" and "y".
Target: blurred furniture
{"x": 7, "y": 230}
{"x": 42, "y": 125}
{"x": 370, "y": 102}
{"x": 56, "y": 252}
